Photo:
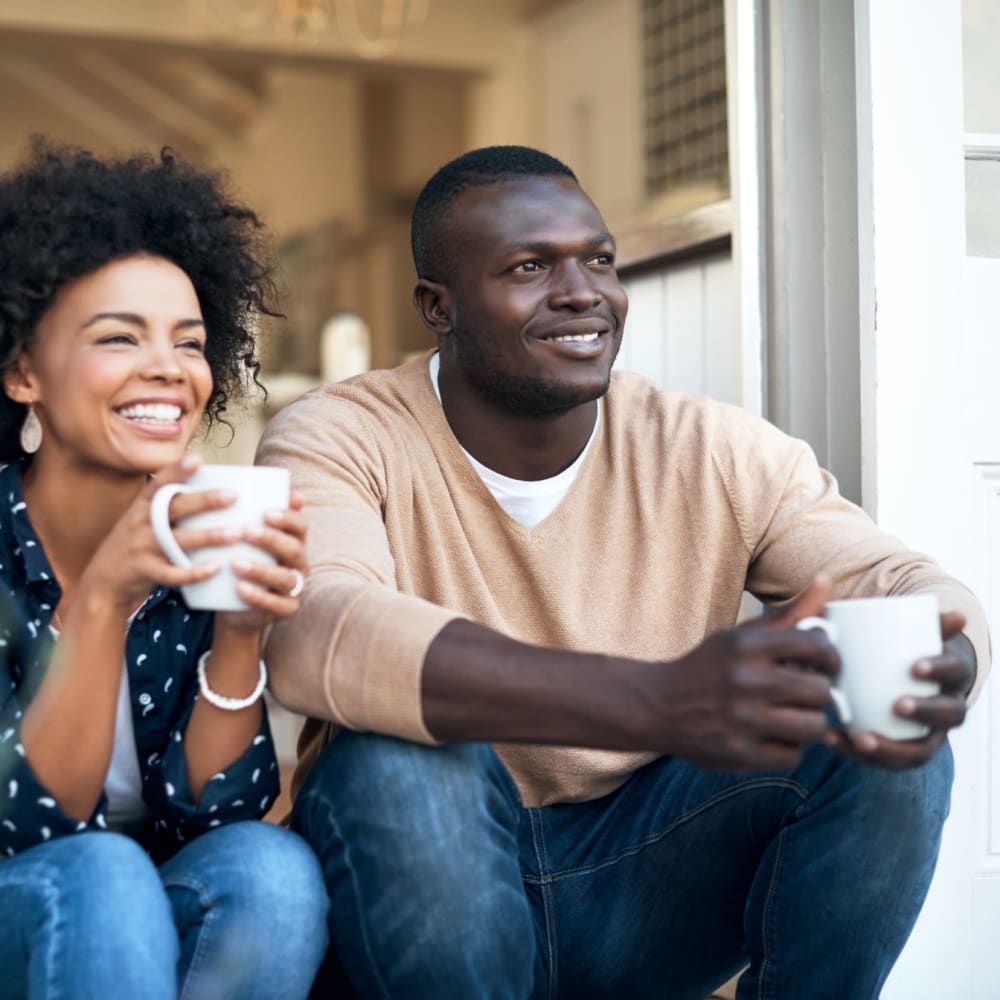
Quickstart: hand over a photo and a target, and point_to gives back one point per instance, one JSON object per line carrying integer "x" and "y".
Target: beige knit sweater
{"x": 679, "y": 505}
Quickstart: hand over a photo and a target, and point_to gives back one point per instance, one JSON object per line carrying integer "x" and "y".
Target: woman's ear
{"x": 19, "y": 380}
{"x": 433, "y": 302}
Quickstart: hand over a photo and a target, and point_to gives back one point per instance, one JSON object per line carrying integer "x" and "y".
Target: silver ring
{"x": 299, "y": 585}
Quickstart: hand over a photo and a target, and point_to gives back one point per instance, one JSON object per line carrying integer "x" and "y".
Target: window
{"x": 684, "y": 66}
{"x": 980, "y": 23}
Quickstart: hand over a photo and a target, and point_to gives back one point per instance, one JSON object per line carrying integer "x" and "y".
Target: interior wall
{"x": 465, "y": 35}
{"x": 589, "y": 96}
{"x": 300, "y": 164}
{"x": 24, "y": 112}
{"x": 411, "y": 127}
{"x": 338, "y": 146}
{"x": 506, "y": 105}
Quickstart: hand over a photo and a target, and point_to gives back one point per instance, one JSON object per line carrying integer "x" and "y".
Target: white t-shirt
{"x": 123, "y": 785}
{"x": 527, "y": 501}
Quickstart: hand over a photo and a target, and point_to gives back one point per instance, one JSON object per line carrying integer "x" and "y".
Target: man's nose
{"x": 574, "y": 287}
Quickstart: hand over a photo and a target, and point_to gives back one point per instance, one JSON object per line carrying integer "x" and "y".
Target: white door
{"x": 931, "y": 420}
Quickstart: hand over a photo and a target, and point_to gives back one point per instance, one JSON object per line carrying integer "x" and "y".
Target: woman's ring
{"x": 299, "y": 585}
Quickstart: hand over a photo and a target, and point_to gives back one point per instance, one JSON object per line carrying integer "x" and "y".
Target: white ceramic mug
{"x": 258, "y": 489}
{"x": 879, "y": 639}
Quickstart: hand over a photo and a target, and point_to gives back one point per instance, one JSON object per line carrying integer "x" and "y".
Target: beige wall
{"x": 337, "y": 144}
{"x": 345, "y": 143}
{"x": 589, "y": 96}
{"x": 27, "y": 106}
{"x": 506, "y": 101}
{"x": 333, "y": 140}
{"x": 470, "y": 35}
{"x": 300, "y": 163}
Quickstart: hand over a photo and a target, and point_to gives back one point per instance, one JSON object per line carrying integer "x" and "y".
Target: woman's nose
{"x": 160, "y": 361}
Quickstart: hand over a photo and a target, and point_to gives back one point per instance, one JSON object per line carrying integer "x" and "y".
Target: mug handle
{"x": 159, "y": 517}
{"x": 838, "y": 697}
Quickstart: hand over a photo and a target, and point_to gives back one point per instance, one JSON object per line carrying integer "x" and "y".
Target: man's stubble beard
{"x": 519, "y": 395}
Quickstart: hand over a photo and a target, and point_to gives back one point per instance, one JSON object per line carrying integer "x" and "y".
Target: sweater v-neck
{"x": 439, "y": 433}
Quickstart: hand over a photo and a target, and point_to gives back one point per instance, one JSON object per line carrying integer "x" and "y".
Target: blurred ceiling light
{"x": 372, "y": 28}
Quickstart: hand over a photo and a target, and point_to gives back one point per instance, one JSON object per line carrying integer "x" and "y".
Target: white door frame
{"x": 794, "y": 175}
{"x": 848, "y": 186}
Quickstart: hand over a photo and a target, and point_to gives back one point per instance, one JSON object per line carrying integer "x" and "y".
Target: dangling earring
{"x": 31, "y": 432}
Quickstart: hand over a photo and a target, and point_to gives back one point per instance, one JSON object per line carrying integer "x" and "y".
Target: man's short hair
{"x": 477, "y": 168}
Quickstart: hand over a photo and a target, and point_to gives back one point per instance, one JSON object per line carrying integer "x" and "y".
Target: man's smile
{"x": 577, "y": 337}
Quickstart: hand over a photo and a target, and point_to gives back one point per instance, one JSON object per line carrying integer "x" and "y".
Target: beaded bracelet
{"x": 221, "y": 700}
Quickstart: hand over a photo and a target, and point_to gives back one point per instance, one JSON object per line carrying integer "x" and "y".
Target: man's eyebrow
{"x": 544, "y": 247}
{"x": 134, "y": 319}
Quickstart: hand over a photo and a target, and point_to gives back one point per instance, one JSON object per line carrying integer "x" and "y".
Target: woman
{"x": 135, "y": 755}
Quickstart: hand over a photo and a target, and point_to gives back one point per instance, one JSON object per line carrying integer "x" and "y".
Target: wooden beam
{"x": 209, "y": 84}
{"x": 705, "y": 230}
{"x": 50, "y": 87}
{"x": 167, "y": 109}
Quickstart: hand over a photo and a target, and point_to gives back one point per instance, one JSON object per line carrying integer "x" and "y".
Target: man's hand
{"x": 749, "y": 698}
{"x": 745, "y": 699}
{"x": 954, "y": 670}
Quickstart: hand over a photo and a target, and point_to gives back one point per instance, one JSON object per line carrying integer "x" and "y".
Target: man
{"x": 550, "y": 765}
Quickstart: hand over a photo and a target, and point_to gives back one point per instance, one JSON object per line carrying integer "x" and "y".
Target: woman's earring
{"x": 31, "y": 432}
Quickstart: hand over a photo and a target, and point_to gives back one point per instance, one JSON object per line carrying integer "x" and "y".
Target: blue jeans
{"x": 238, "y": 913}
{"x": 444, "y": 886}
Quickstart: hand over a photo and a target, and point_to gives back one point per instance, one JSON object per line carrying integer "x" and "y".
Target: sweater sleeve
{"x": 797, "y": 524}
{"x": 354, "y": 652}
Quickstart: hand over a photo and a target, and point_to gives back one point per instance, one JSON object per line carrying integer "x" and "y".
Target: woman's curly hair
{"x": 65, "y": 213}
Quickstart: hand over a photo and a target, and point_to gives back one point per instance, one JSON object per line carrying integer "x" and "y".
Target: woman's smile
{"x": 119, "y": 368}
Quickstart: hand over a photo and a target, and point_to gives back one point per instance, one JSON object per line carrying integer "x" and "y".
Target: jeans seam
{"x": 316, "y": 797}
{"x": 765, "y": 930}
{"x": 52, "y": 894}
{"x": 205, "y": 926}
{"x": 544, "y": 885}
{"x": 757, "y": 783}
{"x": 51, "y": 965}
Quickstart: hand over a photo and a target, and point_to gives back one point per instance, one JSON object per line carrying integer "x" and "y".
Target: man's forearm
{"x": 734, "y": 702}
{"x": 480, "y": 685}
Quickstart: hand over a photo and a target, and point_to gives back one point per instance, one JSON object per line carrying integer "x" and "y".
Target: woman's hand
{"x": 217, "y": 736}
{"x": 129, "y": 562}
{"x": 267, "y": 588}
{"x": 68, "y": 729}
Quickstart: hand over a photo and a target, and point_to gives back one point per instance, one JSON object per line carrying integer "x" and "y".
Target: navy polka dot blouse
{"x": 164, "y": 642}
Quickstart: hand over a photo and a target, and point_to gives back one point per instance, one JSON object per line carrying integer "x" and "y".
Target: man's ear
{"x": 433, "y": 302}
{"x": 19, "y": 380}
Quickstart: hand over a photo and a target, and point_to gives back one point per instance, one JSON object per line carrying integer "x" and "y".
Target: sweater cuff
{"x": 389, "y": 697}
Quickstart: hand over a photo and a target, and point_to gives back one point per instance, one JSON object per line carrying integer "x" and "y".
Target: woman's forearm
{"x": 69, "y": 728}
{"x": 216, "y": 737}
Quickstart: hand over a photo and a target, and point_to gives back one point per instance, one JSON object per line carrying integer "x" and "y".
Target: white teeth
{"x": 577, "y": 338}
{"x": 165, "y": 413}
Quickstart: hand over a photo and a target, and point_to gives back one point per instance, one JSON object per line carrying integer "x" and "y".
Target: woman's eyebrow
{"x": 136, "y": 320}
{"x": 122, "y": 317}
